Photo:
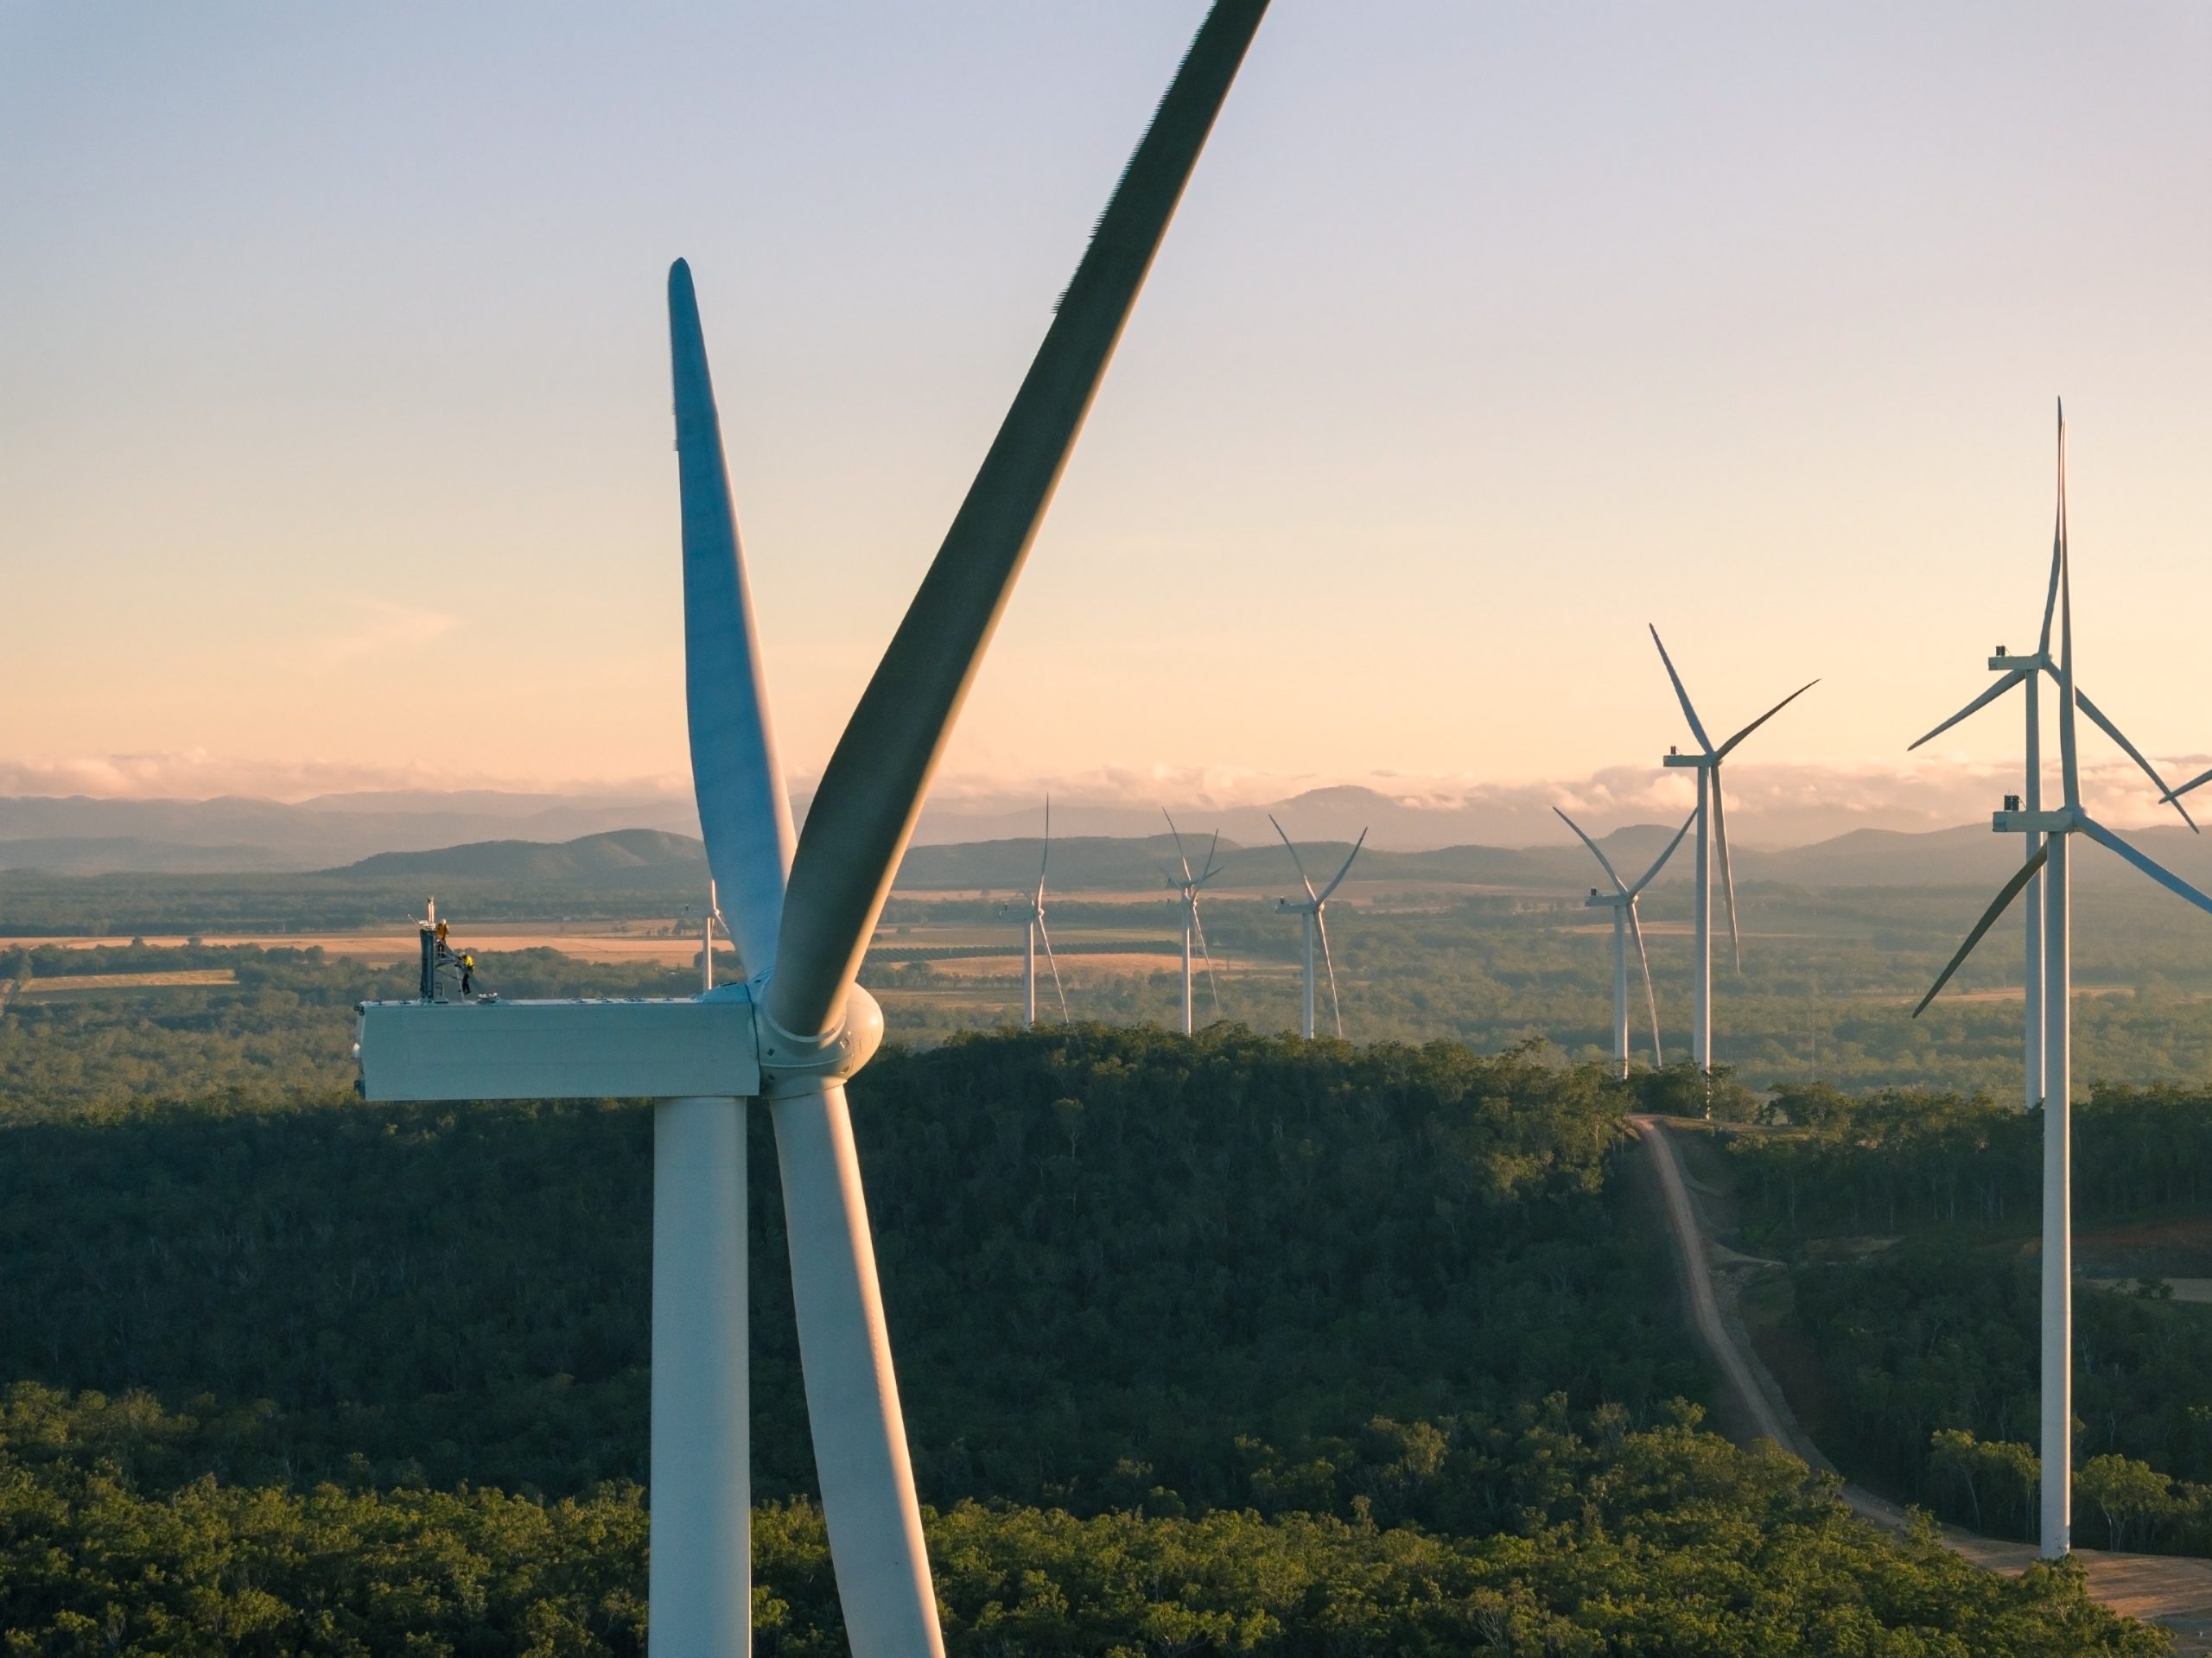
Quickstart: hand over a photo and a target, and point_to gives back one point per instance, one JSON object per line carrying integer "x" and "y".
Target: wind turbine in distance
{"x": 1622, "y": 902}
{"x": 710, "y": 919}
{"x": 2055, "y": 830}
{"x": 1712, "y": 819}
{"x": 803, "y": 907}
{"x": 1032, "y": 913}
{"x": 1311, "y": 911}
{"x": 1189, "y": 891}
{"x": 2028, "y": 672}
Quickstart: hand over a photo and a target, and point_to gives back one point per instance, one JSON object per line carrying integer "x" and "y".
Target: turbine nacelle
{"x": 2062, "y": 820}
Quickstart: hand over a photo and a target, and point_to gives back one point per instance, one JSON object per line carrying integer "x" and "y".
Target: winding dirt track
{"x": 2169, "y": 1590}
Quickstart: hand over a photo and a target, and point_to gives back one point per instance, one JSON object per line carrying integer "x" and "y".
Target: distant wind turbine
{"x": 2028, "y": 672}
{"x": 1316, "y": 922}
{"x": 1031, "y": 912}
{"x": 1711, "y": 818}
{"x": 1622, "y": 902}
{"x": 1188, "y": 888}
{"x": 2055, "y": 830}
{"x": 710, "y": 919}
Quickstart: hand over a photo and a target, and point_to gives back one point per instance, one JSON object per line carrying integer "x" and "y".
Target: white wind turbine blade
{"x": 864, "y": 809}
{"x": 1974, "y": 706}
{"x": 1728, "y": 748}
{"x": 1346, "y": 870}
{"x": 1210, "y": 870}
{"x": 1213, "y": 988}
{"x": 1596, "y": 851}
{"x": 1660, "y": 863}
{"x": 2069, "y": 755}
{"x": 1046, "y": 860}
{"x": 1650, "y": 996}
{"x": 716, "y": 918}
{"x": 2096, "y": 714}
{"x": 866, "y": 1476}
{"x": 2196, "y": 782}
{"x": 1682, "y": 696}
{"x": 2010, "y": 890}
{"x": 1045, "y": 938}
{"x": 1727, "y": 874}
{"x": 1311, "y": 896}
{"x": 2159, "y": 873}
{"x": 1336, "y": 1008}
{"x": 860, "y": 823}
{"x": 1179, "y": 858}
{"x": 744, "y": 811}
{"x": 2057, "y": 534}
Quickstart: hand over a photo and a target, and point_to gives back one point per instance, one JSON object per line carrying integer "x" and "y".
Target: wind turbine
{"x": 1314, "y": 922}
{"x": 803, "y": 907}
{"x": 2028, "y": 671}
{"x": 1032, "y": 913}
{"x": 1622, "y": 902}
{"x": 1189, "y": 891}
{"x": 1712, "y": 819}
{"x": 710, "y": 919}
{"x": 2054, "y": 830}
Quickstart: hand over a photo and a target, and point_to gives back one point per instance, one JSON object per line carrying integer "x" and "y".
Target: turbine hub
{"x": 797, "y": 1065}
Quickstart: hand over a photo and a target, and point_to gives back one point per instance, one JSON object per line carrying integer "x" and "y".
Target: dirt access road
{"x": 2173, "y": 1592}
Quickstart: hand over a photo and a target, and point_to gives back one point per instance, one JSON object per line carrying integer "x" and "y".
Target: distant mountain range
{"x": 619, "y": 861}
{"x": 657, "y": 861}
{"x": 82, "y": 835}
{"x": 638, "y": 841}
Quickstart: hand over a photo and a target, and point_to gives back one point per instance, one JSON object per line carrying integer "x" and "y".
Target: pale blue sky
{"x": 334, "y": 403}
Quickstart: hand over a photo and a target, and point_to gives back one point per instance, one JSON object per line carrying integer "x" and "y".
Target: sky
{"x": 336, "y": 446}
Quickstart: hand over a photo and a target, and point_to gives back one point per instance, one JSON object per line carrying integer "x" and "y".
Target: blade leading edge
{"x": 1650, "y": 996}
{"x": 1727, "y": 874}
{"x": 1974, "y": 706}
{"x": 1346, "y": 870}
{"x": 1612, "y": 873}
{"x": 2158, "y": 872}
{"x": 744, "y": 811}
{"x": 1989, "y": 916}
{"x": 1660, "y": 863}
{"x": 2170, "y": 796}
{"x": 1682, "y": 696}
{"x": 863, "y": 813}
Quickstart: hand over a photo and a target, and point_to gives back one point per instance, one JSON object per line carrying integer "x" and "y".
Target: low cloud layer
{"x": 1771, "y": 804}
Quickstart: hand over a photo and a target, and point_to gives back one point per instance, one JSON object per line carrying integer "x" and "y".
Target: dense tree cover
{"x": 1931, "y": 1352}
{"x": 1915, "y": 1157}
{"x": 1110, "y": 1255}
{"x": 1926, "y": 1333}
{"x": 1237, "y": 1343}
{"x": 1662, "y": 1541}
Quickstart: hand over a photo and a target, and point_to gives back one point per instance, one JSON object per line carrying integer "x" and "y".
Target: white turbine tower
{"x": 1315, "y": 921}
{"x": 2056, "y": 830}
{"x": 1188, "y": 889}
{"x": 1031, "y": 913}
{"x": 803, "y": 908}
{"x": 2028, "y": 672}
{"x": 1622, "y": 902}
{"x": 1711, "y": 820}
